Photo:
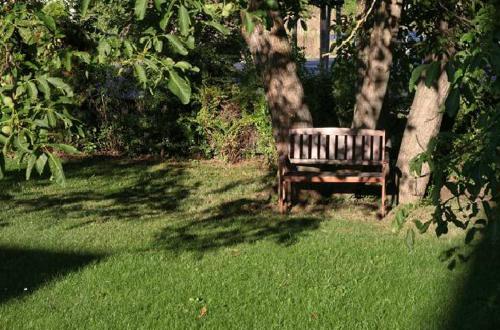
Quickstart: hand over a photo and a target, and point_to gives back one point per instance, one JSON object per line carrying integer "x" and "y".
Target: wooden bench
{"x": 332, "y": 155}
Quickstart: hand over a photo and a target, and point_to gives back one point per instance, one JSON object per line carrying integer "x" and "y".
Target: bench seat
{"x": 332, "y": 155}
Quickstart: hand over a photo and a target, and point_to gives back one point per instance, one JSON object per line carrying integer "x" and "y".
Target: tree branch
{"x": 359, "y": 23}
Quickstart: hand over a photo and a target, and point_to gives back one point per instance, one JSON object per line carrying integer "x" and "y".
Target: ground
{"x": 200, "y": 244}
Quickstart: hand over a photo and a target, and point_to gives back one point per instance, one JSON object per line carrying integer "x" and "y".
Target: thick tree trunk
{"x": 271, "y": 51}
{"x": 376, "y": 61}
{"x": 424, "y": 122}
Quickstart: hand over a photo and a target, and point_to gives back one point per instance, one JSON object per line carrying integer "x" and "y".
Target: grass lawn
{"x": 200, "y": 244}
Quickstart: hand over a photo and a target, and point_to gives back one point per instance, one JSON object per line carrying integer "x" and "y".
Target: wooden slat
{"x": 349, "y": 147}
{"x": 301, "y": 143}
{"x": 305, "y": 147}
{"x": 296, "y": 146}
{"x": 336, "y": 131}
{"x": 333, "y": 179}
{"x": 314, "y": 146}
{"x": 376, "y": 148}
{"x": 358, "y": 147}
{"x": 367, "y": 144}
{"x": 331, "y": 146}
{"x": 323, "y": 147}
{"x": 335, "y": 162}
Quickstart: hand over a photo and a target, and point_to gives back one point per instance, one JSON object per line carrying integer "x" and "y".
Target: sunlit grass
{"x": 187, "y": 244}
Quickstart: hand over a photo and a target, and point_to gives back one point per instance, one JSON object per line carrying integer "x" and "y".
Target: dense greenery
{"x": 197, "y": 244}
{"x": 158, "y": 77}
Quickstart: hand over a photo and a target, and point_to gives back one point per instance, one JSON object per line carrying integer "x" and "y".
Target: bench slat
{"x": 323, "y": 147}
{"x": 336, "y": 131}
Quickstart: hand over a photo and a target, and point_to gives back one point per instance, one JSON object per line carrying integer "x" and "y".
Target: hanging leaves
{"x": 179, "y": 86}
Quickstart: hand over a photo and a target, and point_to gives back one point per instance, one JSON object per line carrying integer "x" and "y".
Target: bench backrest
{"x": 336, "y": 146}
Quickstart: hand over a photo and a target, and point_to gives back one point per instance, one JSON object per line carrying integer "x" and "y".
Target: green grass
{"x": 151, "y": 245}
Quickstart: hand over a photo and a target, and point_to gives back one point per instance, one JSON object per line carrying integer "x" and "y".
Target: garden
{"x": 158, "y": 168}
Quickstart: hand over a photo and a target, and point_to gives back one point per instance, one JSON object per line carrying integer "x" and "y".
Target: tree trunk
{"x": 424, "y": 122}
{"x": 324, "y": 35}
{"x": 376, "y": 61}
{"x": 284, "y": 92}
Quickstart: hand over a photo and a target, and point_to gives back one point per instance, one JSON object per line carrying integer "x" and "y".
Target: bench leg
{"x": 382, "y": 206}
{"x": 280, "y": 196}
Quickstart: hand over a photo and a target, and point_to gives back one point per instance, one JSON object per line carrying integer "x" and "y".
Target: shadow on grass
{"x": 143, "y": 193}
{"x": 146, "y": 193}
{"x": 22, "y": 271}
{"x": 478, "y": 301}
{"x": 232, "y": 223}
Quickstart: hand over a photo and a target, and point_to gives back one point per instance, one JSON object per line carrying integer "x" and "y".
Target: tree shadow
{"x": 231, "y": 223}
{"x": 148, "y": 194}
{"x": 23, "y": 271}
{"x": 478, "y": 300}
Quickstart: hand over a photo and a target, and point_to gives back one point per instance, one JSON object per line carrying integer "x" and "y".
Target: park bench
{"x": 332, "y": 155}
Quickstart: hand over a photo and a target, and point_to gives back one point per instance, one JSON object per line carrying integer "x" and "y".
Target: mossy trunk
{"x": 375, "y": 62}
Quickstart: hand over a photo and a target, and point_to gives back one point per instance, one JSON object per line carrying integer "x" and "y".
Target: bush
{"x": 230, "y": 127}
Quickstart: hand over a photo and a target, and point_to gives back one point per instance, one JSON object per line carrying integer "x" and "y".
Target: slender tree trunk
{"x": 324, "y": 35}
{"x": 376, "y": 58}
{"x": 424, "y": 122}
{"x": 284, "y": 92}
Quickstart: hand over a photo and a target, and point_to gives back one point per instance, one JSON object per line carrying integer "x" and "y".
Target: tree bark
{"x": 271, "y": 52}
{"x": 376, "y": 61}
{"x": 424, "y": 122}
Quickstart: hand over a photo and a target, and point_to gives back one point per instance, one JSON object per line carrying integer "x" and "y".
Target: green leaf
{"x": 184, "y": 21}
{"x": 67, "y": 60}
{"x": 84, "y": 7}
{"x": 183, "y": 65}
{"x": 158, "y": 4}
{"x": 56, "y": 169}
{"x": 422, "y": 227}
{"x": 140, "y": 73}
{"x": 40, "y": 163}
{"x": 432, "y": 73}
{"x": 158, "y": 45}
{"x": 32, "y": 90}
{"x": 248, "y": 22}
{"x": 177, "y": 44}
{"x": 140, "y": 9}
{"x": 65, "y": 148}
{"x": 47, "y": 20}
{"x": 410, "y": 239}
{"x": 415, "y": 76}
{"x": 219, "y": 27}
{"x": 2, "y": 166}
{"x": 43, "y": 86}
{"x": 83, "y": 56}
{"x": 103, "y": 50}
{"x": 59, "y": 83}
{"x": 26, "y": 35}
{"x": 180, "y": 87}
{"x": 31, "y": 165}
{"x": 453, "y": 103}
{"x": 51, "y": 118}
{"x": 129, "y": 49}
{"x": 164, "y": 21}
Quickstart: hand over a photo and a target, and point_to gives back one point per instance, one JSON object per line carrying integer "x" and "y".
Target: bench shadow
{"x": 23, "y": 270}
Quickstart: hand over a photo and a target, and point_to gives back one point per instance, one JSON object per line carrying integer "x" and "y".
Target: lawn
{"x": 199, "y": 244}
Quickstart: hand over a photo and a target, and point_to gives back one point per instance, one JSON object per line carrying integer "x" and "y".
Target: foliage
{"x": 230, "y": 127}
{"x": 464, "y": 158}
{"x": 35, "y": 92}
